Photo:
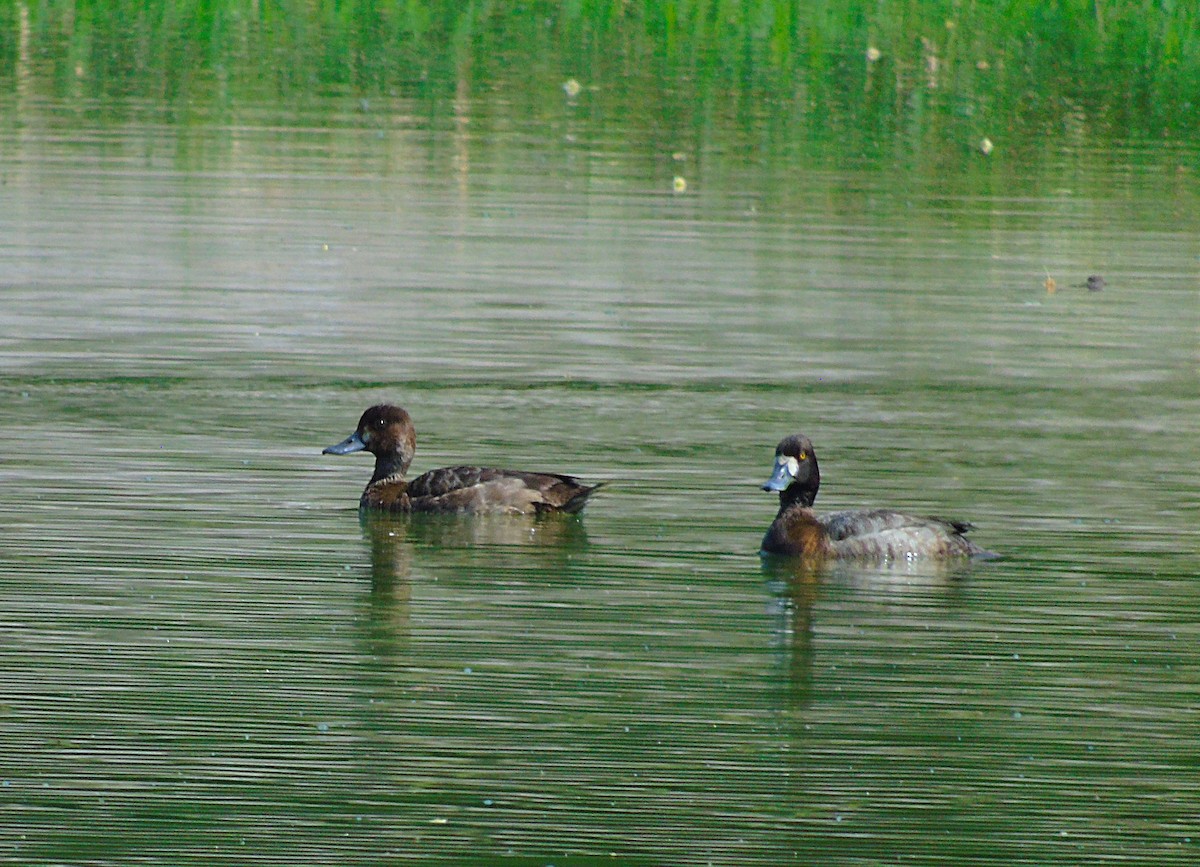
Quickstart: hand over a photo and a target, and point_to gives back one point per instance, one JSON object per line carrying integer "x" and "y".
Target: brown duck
{"x": 875, "y": 534}
{"x": 387, "y": 432}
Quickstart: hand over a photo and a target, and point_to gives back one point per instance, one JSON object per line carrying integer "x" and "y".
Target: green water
{"x": 209, "y": 658}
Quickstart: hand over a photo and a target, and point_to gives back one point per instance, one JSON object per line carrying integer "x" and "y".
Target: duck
{"x": 387, "y": 432}
{"x": 867, "y": 534}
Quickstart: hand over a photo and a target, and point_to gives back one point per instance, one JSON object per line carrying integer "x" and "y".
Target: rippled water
{"x": 209, "y": 658}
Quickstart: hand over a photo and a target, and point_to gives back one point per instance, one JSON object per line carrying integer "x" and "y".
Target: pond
{"x": 210, "y": 658}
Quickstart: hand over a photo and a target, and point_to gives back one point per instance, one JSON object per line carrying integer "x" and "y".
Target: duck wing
{"x": 487, "y": 489}
{"x": 879, "y": 533}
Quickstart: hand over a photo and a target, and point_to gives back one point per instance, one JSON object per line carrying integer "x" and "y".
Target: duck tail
{"x": 579, "y": 499}
{"x": 977, "y": 552}
{"x": 974, "y": 551}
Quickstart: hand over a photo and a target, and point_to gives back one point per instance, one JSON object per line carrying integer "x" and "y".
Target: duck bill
{"x": 349, "y": 445}
{"x": 781, "y": 478}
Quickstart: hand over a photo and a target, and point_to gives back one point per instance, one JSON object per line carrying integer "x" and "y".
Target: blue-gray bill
{"x": 783, "y": 476}
{"x": 349, "y": 445}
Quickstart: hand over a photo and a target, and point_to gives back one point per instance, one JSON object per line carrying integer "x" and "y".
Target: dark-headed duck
{"x": 387, "y": 432}
{"x": 866, "y": 534}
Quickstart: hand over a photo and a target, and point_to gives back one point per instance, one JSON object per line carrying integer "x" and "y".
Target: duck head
{"x": 796, "y": 476}
{"x": 385, "y": 431}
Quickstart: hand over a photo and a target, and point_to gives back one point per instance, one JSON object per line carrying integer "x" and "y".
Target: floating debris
{"x": 932, "y": 62}
{"x": 986, "y": 146}
{"x": 572, "y": 87}
{"x": 1051, "y": 285}
{"x": 1094, "y": 283}
{"x": 873, "y": 54}
{"x": 680, "y": 184}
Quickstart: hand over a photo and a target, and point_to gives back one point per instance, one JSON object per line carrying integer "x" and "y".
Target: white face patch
{"x": 365, "y": 437}
{"x": 792, "y": 465}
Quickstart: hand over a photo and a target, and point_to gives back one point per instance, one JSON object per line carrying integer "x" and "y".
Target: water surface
{"x": 209, "y": 657}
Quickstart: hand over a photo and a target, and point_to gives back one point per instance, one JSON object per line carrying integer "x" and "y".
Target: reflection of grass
{"x": 870, "y": 66}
